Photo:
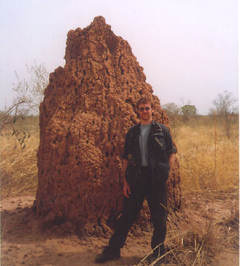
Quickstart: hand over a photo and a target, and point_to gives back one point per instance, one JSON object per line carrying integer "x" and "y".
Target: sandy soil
{"x": 26, "y": 242}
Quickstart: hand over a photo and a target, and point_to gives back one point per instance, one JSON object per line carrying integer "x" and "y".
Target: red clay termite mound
{"x": 88, "y": 107}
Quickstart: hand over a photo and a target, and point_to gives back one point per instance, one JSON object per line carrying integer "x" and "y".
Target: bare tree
{"x": 226, "y": 108}
{"x": 29, "y": 94}
{"x": 31, "y": 91}
{"x": 173, "y": 111}
{"x": 8, "y": 116}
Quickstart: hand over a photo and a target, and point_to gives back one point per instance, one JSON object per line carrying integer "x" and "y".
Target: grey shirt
{"x": 143, "y": 137}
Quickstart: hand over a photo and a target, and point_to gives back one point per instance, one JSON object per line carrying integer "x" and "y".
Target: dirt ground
{"x": 204, "y": 232}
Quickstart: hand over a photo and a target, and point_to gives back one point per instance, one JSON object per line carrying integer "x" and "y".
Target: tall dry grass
{"x": 18, "y": 163}
{"x": 208, "y": 159}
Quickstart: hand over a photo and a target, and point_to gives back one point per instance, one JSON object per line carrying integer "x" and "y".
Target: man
{"x": 147, "y": 159}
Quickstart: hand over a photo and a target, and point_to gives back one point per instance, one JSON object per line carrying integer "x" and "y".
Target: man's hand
{"x": 126, "y": 189}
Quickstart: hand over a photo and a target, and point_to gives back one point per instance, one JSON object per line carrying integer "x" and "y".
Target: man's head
{"x": 145, "y": 110}
{"x": 144, "y": 100}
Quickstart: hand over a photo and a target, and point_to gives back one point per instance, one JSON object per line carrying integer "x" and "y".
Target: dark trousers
{"x": 156, "y": 196}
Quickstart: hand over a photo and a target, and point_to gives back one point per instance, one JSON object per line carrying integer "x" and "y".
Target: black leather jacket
{"x": 160, "y": 146}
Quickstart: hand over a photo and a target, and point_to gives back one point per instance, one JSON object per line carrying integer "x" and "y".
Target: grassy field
{"x": 205, "y": 231}
{"x": 208, "y": 159}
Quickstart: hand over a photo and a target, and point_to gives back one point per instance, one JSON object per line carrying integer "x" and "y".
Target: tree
{"x": 8, "y": 117}
{"x": 29, "y": 94}
{"x": 31, "y": 91}
{"x": 225, "y": 107}
{"x": 172, "y": 110}
{"x": 188, "y": 111}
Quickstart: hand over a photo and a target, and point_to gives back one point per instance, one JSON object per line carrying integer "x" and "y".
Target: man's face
{"x": 145, "y": 112}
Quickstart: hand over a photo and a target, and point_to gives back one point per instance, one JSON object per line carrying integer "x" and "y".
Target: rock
{"x": 88, "y": 107}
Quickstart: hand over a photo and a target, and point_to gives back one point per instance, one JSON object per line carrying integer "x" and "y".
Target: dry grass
{"x": 19, "y": 159}
{"x": 208, "y": 159}
{"x": 197, "y": 239}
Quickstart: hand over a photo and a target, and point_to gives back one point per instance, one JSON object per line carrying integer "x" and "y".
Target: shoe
{"x": 152, "y": 260}
{"x": 160, "y": 251}
{"x": 108, "y": 254}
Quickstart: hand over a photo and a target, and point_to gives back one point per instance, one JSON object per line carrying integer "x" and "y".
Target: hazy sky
{"x": 188, "y": 48}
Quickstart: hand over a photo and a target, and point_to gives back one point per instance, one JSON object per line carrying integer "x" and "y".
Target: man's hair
{"x": 144, "y": 100}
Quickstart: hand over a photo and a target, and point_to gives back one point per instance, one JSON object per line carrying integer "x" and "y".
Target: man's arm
{"x": 126, "y": 187}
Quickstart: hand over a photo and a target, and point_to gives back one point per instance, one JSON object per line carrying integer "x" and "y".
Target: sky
{"x": 188, "y": 48}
